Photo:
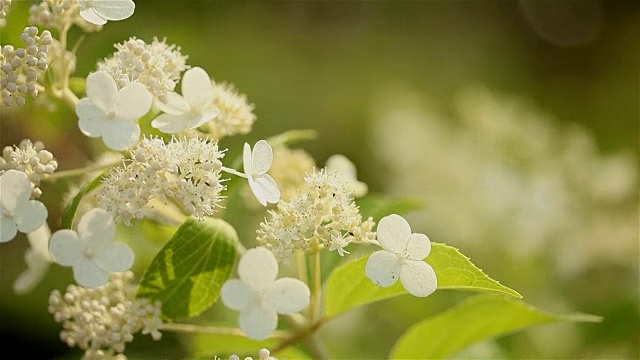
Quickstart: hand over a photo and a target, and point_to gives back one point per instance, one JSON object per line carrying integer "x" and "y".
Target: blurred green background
{"x": 324, "y": 65}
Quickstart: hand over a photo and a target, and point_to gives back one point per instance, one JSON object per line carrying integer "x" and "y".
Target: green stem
{"x": 215, "y": 330}
{"x": 78, "y": 172}
{"x": 316, "y": 296}
{"x": 233, "y": 171}
{"x": 302, "y": 333}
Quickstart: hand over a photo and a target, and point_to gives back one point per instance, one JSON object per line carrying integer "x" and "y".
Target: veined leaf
{"x": 378, "y": 206}
{"x": 69, "y": 212}
{"x": 349, "y": 287}
{"x": 477, "y": 318}
{"x": 187, "y": 274}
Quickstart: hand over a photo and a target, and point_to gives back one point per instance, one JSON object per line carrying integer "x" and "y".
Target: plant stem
{"x": 233, "y": 171}
{"x": 300, "y": 334}
{"x": 215, "y": 330}
{"x": 316, "y": 296}
{"x": 78, "y": 172}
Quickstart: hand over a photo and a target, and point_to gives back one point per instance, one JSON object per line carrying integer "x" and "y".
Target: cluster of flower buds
{"x": 30, "y": 158}
{"x": 20, "y": 67}
{"x": 59, "y": 14}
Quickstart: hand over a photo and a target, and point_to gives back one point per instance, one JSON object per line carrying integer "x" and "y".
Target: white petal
{"x": 170, "y": 124}
{"x": 343, "y": 165}
{"x": 15, "y": 189}
{"x": 258, "y": 322}
{"x": 383, "y": 268}
{"x": 66, "y": 248}
{"x": 419, "y": 246}
{"x": 288, "y": 295}
{"x": 114, "y": 9}
{"x": 204, "y": 118}
{"x": 235, "y": 294}
{"x": 246, "y": 160}
{"x": 102, "y": 90}
{"x": 122, "y": 134}
{"x": 197, "y": 88}
{"x": 30, "y": 216}
{"x": 258, "y": 268}
{"x": 116, "y": 257}
{"x": 418, "y": 278}
{"x": 175, "y": 105}
{"x": 88, "y": 274}
{"x": 393, "y": 233}
{"x": 265, "y": 189}
{"x": 91, "y": 16}
{"x": 92, "y": 119}
{"x": 262, "y": 157}
{"x": 134, "y": 101}
{"x": 8, "y": 228}
{"x": 38, "y": 261}
{"x": 97, "y": 227}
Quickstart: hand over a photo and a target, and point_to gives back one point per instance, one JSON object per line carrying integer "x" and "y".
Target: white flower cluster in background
{"x": 31, "y": 159}
{"x": 504, "y": 177}
{"x": 157, "y": 65}
{"x": 289, "y": 169}
{"x": 20, "y": 68}
{"x": 185, "y": 169}
{"x": 59, "y": 14}
{"x": 324, "y": 210}
{"x": 235, "y": 116}
{"x": 102, "y": 321}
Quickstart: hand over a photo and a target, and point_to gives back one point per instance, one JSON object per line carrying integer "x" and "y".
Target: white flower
{"x": 91, "y": 251}
{"x": 99, "y": 11}
{"x": 112, "y": 114}
{"x": 402, "y": 258}
{"x": 37, "y": 258}
{"x": 347, "y": 174}
{"x": 256, "y": 165}
{"x": 194, "y": 108}
{"x": 17, "y": 212}
{"x": 259, "y": 296}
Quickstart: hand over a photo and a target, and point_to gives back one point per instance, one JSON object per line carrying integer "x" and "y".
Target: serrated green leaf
{"x": 349, "y": 287}
{"x": 478, "y": 318}
{"x": 69, "y": 212}
{"x": 377, "y": 206}
{"x": 187, "y": 274}
{"x": 222, "y": 346}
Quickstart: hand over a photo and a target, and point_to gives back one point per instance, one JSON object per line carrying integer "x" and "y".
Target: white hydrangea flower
{"x": 259, "y": 296}
{"x": 348, "y": 174}
{"x": 17, "y": 212}
{"x": 194, "y": 108}
{"x": 99, "y": 11}
{"x": 91, "y": 251}
{"x": 111, "y": 113}
{"x": 256, "y": 165}
{"x": 402, "y": 258}
{"x": 37, "y": 258}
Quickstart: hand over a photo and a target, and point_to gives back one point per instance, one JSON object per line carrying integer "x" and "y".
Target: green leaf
{"x": 187, "y": 274}
{"x": 378, "y": 206}
{"x": 292, "y": 136}
{"x": 477, "y": 318}
{"x": 348, "y": 285}
{"x": 70, "y": 211}
{"x": 222, "y": 346}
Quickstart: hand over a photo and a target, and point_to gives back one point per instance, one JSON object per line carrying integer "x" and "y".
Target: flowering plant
{"x": 165, "y": 169}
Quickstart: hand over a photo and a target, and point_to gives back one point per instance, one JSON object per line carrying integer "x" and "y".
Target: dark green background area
{"x": 321, "y": 64}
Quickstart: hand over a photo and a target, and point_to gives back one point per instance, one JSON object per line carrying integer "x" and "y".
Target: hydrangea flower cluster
{"x": 21, "y": 67}
{"x": 30, "y": 158}
{"x": 289, "y": 168}
{"x": 187, "y": 170}
{"x": 235, "y": 116}
{"x": 59, "y": 14}
{"x": 102, "y": 321}
{"x": 157, "y": 65}
{"x": 325, "y": 210}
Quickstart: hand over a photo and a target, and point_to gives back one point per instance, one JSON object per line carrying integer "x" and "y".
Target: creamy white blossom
{"x": 91, "y": 250}
{"x": 259, "y": 296}
{"x": 256, "y": 164}
{"x": 348, "y": 174}
{"x": 194, "y": 108}
{"x": 402, "y": 258}
{"x": 111, "y": 113}
{"x": 17, "y": 212}
{"x": 236, "y": 112}
{"x": 99, "y": 11}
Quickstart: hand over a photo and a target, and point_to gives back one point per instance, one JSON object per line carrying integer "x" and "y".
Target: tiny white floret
{"x": 17, "y": 212}
{"x": 194, "y": 108}
{"x": 99, "y": 11}
{"x": 111, "y": 113}
{"x": 91, "y": 251}
{"x": 259, "y": 296}
{"x": 402, "y": 258}
{"x": 256, "y": 164}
